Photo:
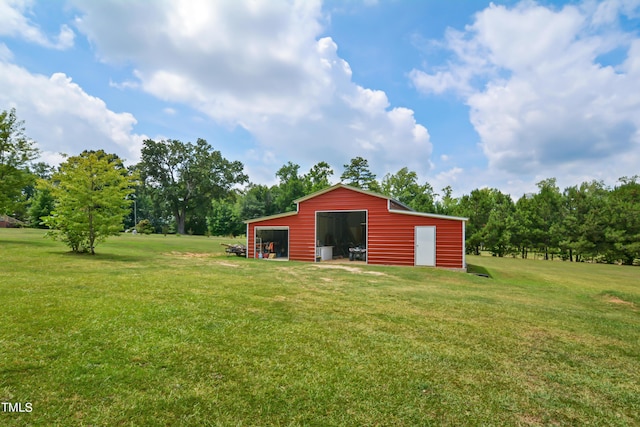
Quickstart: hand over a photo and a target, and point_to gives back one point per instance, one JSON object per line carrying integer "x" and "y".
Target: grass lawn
{"x": 158, "y": 330}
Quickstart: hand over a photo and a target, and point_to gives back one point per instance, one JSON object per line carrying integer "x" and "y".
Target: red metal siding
{"x": 392, "y": 240}
{"x": 391, "y": 236}
{"x": 301, "y": 236}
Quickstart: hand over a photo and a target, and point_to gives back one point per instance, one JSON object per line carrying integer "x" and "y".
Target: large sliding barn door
{"x": 426, "y": 246}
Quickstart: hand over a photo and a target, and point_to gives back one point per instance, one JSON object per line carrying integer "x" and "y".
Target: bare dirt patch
{"x": 227, "y": 264}
{"x": 349, "y": 269}
{"x": 199, "y": 256}
{"x": 615, "y": 300}
{"x": 188, "y": 254}
{"x": 531, "y": 420}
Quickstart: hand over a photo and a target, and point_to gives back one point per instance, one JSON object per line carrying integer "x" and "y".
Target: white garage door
{"x": 426, "y": 246}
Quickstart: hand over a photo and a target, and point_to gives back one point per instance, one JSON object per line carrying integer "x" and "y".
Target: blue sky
{"x": 466, "y": 93}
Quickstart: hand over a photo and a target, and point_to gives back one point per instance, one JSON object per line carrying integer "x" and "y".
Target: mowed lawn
{"x": 157, "y": 330}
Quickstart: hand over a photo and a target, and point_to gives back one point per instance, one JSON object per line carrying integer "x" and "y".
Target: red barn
{"x": 347, "y": 222}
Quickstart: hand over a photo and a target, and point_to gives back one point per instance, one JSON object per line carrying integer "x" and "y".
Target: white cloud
{"x": 14, "y": 23}
{"x": 607, "y": 12}
{"x": 127, "y": 84}
{"x": 5, "y": 53}
{"x": 447, "y": 178}
{"x": 539, "y": 99}
{"x": 262, "y": 66}
{"x": 63, "y": 118}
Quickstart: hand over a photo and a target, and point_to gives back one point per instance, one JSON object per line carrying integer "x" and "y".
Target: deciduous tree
{"x": 224, "y": 219}
{"x": 318, "y": 177}
{"x": 477, "y": 206}
{"x": 498, "y": 231}
{"x": 256, "y": 202}
{"x": 447, "y": 205}
{"x": 16, "y": 151}
{"x": 291, "y": 187}
{"x": 91, "y": 199}
{"x": 186, "y": 176}
{"x": 403, "y": 186}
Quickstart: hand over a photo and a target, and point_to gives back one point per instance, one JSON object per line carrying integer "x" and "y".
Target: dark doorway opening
{"x": 272, "y": 243}
{"x": 342, "y": 231}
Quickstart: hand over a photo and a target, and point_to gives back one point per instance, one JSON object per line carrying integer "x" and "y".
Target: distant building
{"x": 346, "y": 222}
{"x": 9, "y": 222}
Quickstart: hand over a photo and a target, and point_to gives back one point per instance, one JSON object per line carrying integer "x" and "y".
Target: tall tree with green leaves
{"x": 500, "y": 225}
{"x": 146, "y": 206}
{"x": 477, "y": 206}
{"x": 257, "y": 201}
{"x": 547, "y": 207}
{"x": 317, "y": 178}
{"x": 583, "y": 221}
{"x": 290, "y": 187}
{"x": 91, "y": 199}
{"x": 40, "y": 200}
{"x": 522, "y": 235}
{"x": 42, "y": 204}
{"x": 187, "y": 177}
{"x": 16, "y": 152}
{"x": 224, "y": 218}
{"x": 357, "y": 174}
{"x": 447, "y": 205}
{"x": 404, "y": 187}
{"x": 594, "y": 220}
{"x": 623, "y": 216}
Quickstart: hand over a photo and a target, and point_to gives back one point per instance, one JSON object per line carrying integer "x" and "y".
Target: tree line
{"x": 182, "y": 188}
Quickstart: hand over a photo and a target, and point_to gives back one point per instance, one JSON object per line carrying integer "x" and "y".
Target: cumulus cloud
{"x": 63, "y": 118}
{"x": 5, "y": 53}
{"x": 14, "y": 23}
{"x": 540, "y": 99}
{"x": 262, "y": 66}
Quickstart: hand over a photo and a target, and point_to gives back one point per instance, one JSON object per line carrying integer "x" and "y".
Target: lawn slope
{"x": 157, "y": 330}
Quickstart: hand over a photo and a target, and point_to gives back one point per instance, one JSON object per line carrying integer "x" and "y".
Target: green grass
{"x": 158, "y": 330}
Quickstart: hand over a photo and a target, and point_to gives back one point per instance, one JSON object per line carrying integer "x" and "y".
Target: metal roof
{"x": 409, "y": 211}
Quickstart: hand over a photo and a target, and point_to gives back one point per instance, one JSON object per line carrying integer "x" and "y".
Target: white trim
{"x": 340, "y": 185}
{"x": 366, "y": 220}
{"x": 266, "y": 218}
{"x": 464, "y": 245}
{"x": 358, "y": 190}
{"x": 390, "y": 200}
{"x": 428, "y": 215}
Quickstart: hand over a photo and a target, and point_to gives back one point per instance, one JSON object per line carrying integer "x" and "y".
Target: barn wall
{"x": 391, "y": 236}
{"x": 340, "y": 199}
{"x": 301, "y": 246}
{"x": 392, "y": 239}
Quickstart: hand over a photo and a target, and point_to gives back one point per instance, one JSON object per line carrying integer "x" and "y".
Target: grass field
{"x": 158, "y": 330}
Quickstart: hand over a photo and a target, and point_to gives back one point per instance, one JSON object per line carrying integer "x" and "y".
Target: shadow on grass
{"x": 478, "y": 270}
{"x": 41, "y": 242}
{"x": 101, "y": 256}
